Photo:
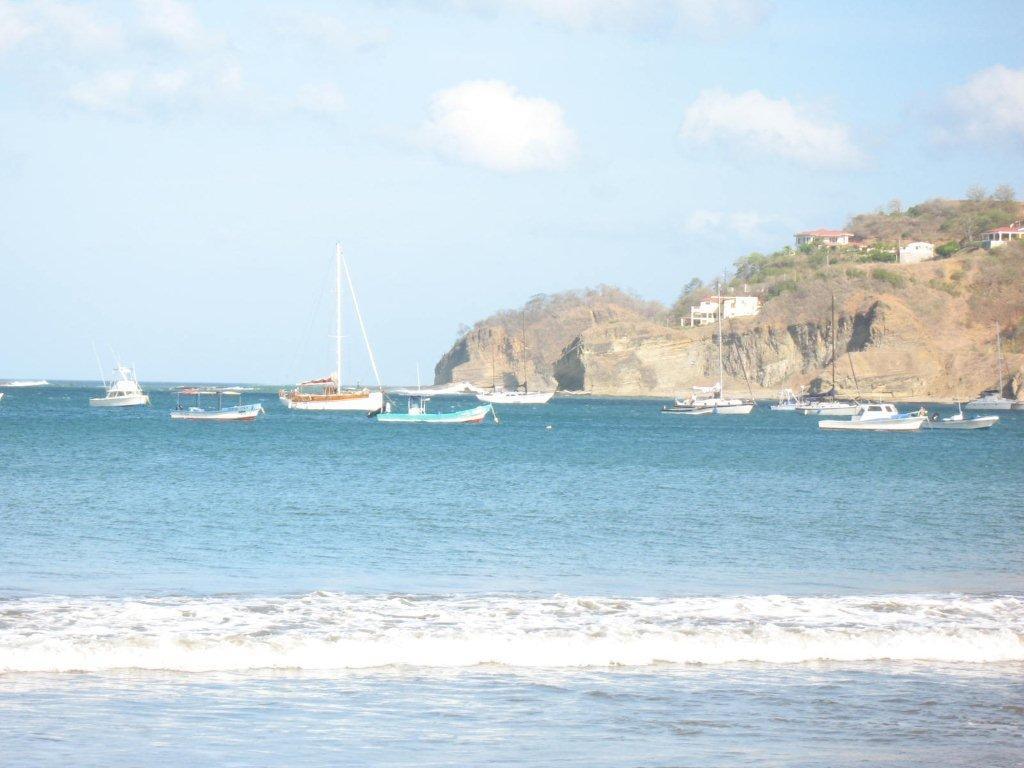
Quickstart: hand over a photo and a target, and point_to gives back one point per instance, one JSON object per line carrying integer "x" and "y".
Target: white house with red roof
{"x": 993, "y": 238}
{"x": 827, "y": 237}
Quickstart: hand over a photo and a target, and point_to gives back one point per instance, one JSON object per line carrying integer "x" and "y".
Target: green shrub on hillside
{"x": 888, "y": 276}
{"x": 781, "y": 287}
{"x": 946, "y": 250}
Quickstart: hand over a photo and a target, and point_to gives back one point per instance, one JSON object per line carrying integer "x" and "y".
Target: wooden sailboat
{"x": 327, "y": 393}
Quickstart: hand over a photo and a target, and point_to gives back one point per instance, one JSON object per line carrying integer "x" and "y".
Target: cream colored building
{"x": 827, "y": 237}
{"x": 706, "y": 313}
{"x": 1002, "y": 235}
{"x": 912, "y": 253}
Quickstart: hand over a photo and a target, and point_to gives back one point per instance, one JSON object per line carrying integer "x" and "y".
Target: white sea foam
{"x": 330, "y": 631}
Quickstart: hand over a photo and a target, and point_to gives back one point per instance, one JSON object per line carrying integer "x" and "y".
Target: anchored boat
{"x": 993, "y": 399}
{"x": 878, "y": 417}
{"x": 238, "y": 412}
{"x": 416, "y": 413}
{"x": 123, "y": 392}
{"x": 327, "y": 393}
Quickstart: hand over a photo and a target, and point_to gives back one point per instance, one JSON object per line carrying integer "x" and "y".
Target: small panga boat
{"x": 238, "y": 412}
{"x": 958, "y": 421}
{"x": 878, "y": 417}
{"x": 417, "y": 414}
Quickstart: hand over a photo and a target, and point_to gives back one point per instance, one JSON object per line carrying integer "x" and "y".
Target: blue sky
{"x": 176, "y": 174}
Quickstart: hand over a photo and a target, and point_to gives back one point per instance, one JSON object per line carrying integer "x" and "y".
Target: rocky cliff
{"x": 927, "y": 335}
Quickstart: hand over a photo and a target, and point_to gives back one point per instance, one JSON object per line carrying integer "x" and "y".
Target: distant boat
{"x": 711, "y": 401}
{"x": 237, "y": 412}
{"x": 878, "y": 417}
{"x": 416, "y": 413}
{"x": 123, "y": 392}
{"x": 327, "y": 393}
{"x": 439, "y": 390}
{"x": 826, "y": 404}
{"x": 28, "y": 383}
{"x": 788, "y": 401}
{"x": 520, "y": 396}
{"x": 992, "y": 399}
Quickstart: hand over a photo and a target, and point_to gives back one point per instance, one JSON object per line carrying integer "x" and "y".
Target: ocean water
{"x": 587, "y": 583}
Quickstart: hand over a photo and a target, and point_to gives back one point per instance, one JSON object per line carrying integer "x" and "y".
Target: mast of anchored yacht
{"x": 337, "y": 315}
{"x": 721, "y": 367}
{"x": 1000, "y": 363}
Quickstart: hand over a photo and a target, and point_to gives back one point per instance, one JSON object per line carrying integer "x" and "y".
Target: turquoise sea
{"x": 589, "y": 583}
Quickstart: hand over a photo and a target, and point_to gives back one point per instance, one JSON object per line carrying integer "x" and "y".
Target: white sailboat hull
{"x": 1000, "y": 404}
{"x": 371, "y": 401}
{"x": 515, "y": 398}
{"x": 119, "y": 401}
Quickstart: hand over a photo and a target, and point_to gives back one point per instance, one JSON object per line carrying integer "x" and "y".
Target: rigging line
{"x": 300, "y": 349}
{"x": 743, "y": 366}
{"x": 362, "y": 326}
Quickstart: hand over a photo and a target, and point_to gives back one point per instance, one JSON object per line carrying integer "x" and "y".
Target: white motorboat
{"x": 27, "y": 383}
{"x": 327, "y": 393}
{"x": 239, "y": 412}
{"x": 123, "y": 392}
{"x": 993, "y": 399}
{"x": 878, "y": 417}
{"x": 957, "y": 421}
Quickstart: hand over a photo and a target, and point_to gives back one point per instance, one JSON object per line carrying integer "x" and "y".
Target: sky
{"x": 176, "y": 174}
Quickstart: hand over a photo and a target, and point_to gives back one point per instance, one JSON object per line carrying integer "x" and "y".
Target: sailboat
{"x": 520, "y": 396}
{"x": 123, "y": 391}
{"x": 704, "y": 401}
{"x": 992, "y": 399}
{"x": 327, "y": 393}
{"x": 826, "y": 404}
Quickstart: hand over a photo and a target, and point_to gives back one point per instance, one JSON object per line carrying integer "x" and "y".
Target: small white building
{"x": 706, "y": 313}
{"x": 1002, "y": 235}
{"x": 827, "y": 237}
{"x": 912, "y": 253}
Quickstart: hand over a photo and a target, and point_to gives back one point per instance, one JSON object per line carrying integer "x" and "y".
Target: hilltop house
{"x": 912, "y": 253}
{"x": 706, "y": 313}
{"x": 830, "y": 238}
{"x": 993, "y": 238}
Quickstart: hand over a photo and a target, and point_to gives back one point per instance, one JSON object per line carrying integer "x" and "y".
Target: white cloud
{"x": 324, "y": 100}
{"x": 134, "y": 93}
{"x": 331, "y": 32}
{"x": 701, "y": 17}
{"x": 742, "y": 222}
{"x": 488, "y": 123}
{"x": 990, "y": 105}
{"x": 14, "y": 25}
{"x": 753, "y": 122}
{"x": 173, "y": 21}
{"x": 56, "y": 24}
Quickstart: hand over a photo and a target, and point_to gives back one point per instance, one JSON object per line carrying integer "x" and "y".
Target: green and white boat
{"x": 417, "y": 414}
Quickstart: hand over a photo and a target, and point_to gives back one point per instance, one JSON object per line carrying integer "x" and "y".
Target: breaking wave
{"x": 332, "y": 631}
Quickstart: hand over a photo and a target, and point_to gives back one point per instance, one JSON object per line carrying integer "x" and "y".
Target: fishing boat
{"x": 327, "y": 393}
{"x": 993, "y": 399}
{"x": 958, "y": 421}
{"x": 124, "y": 391}
{"x": 711, "y": 401}
{"x": 238, "y": 412}
{"x": 27, "y": 383}
{"x": 519, "y": 396}
{"x": 416, "y": 413}
{"x": 878, "y": 417}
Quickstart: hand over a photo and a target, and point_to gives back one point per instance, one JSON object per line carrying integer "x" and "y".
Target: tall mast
{"x": 999, "y": 360}
{"x": 337, "y": 313}
{"x": 721, "y": 368}
{"x": 523, "y": 361}
{"x": 833, "y": 345}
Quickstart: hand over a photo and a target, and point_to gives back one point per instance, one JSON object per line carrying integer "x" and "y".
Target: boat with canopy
{"x": 237, "y": 412}
{"x": 416, "y": 413}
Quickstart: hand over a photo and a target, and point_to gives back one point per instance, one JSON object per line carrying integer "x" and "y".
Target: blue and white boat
{"x": 239, "y": 412}
{"x": 417, "y": 414}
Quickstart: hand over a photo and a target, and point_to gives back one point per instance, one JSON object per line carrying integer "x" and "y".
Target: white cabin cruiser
{"x": 878, "y": 417}
{"x": 124, "y": 391}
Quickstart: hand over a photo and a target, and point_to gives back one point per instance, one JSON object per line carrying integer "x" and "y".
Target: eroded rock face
{"x": 884, "y": 350}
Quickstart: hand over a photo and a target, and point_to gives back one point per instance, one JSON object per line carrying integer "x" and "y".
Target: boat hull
{"x": 468, "y": 416}
{"x": 992, "y": 405}
{"x": 978, "y": 422}
{"x": 903, "y": 424}
{"x": 119, "y": 401}
{"x": 370, "y": 401}
{"x": 515, "y": 398}
{"x": 234, "y": 413}
{"x": 818, "y": 410}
